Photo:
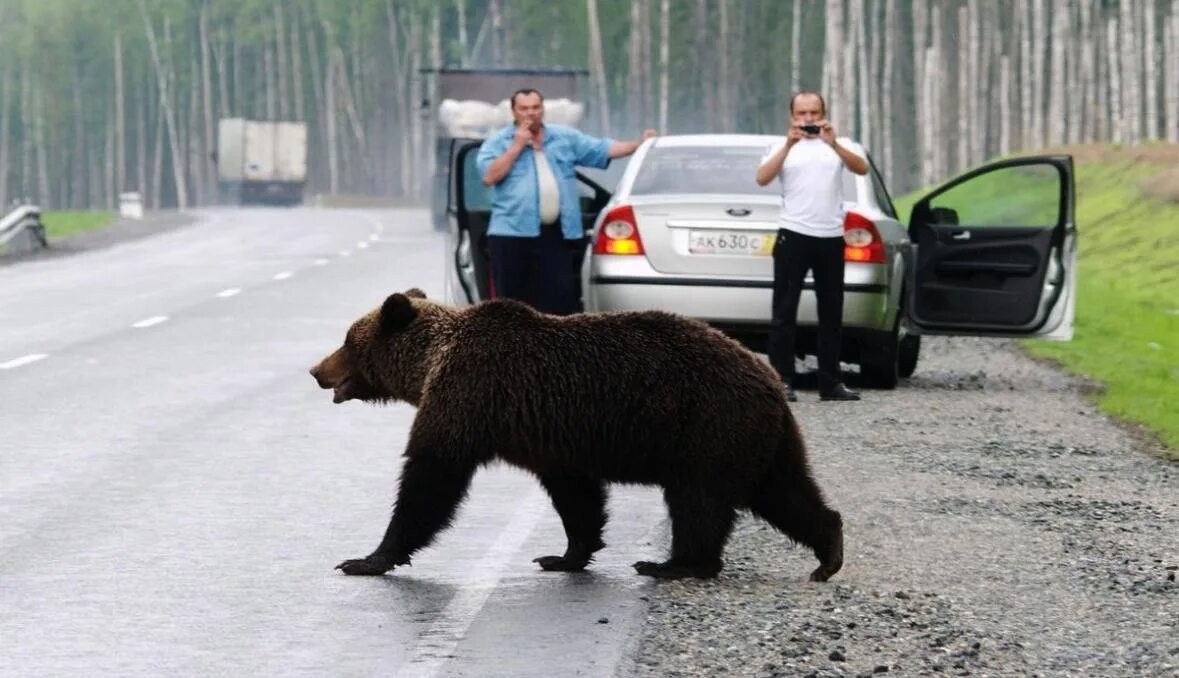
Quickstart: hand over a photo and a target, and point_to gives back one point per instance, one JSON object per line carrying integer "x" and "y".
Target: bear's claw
{"x": 670, "y": 570}
{"x": 368, "y": 566}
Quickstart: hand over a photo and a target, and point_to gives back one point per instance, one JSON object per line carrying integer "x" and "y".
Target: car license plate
{"x": 736, "y": 243}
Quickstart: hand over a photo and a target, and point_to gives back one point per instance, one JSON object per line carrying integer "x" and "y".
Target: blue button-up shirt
{"x": 515, "y": 203}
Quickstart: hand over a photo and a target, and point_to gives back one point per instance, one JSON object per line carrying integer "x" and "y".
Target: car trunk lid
{"x": 709, "y": 237}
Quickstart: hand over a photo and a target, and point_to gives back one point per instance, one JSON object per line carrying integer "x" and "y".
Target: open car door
{"x": 469, "y": 214}
{"x": 995, "y": 252}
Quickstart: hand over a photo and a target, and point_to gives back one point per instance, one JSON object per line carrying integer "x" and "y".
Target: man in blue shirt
{"x": 535, "y": 206}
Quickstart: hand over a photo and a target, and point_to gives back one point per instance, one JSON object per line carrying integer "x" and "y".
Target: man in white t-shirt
{"x": 810, "y": 237}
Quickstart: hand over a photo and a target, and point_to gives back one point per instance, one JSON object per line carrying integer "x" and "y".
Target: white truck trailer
{"x": 261, "y": 162}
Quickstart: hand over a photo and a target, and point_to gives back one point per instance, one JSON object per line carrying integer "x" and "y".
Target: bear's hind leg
{"x": 792, "y": 502}
{"x": 581, "y": 503}
{"x": 700, "y": 526}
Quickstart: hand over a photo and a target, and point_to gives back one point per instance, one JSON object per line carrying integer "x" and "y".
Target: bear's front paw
{"x": 561, "y": 563}
{"x": 370, "y": 565}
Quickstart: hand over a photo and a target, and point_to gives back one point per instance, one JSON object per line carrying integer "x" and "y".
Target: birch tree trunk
{"x": 329, "y": 113}
{"x": 965, "y": 82}
{"x": 833, "y": 62}
{"x": 1056, "y": 133}
{"x": 598, "y": 64}
{"x": 297, "y": 71}
{"x": 664, "y": 51}
{"x": 796, "y": 47}
{"x": 634, "y": 56}
{"x": 26, "y": 115}
{"x": 163, "y": 76}
{"x": 1117, "y": 120}
{"x": 280, "y": 39}
{"x": 1150, "y": 70}
{"x": 1131, "y": 92}
{"x": 460, "y": 8}
{"x": 206, "y": 166}
{"x": 120, "y": 117}
{"x": 39, "y": 147}
{"x": 79, "y": 191}
{"x": 1171, "y": 76}
{"x": 5, "y": 105}
{"x": 724, "y": 79}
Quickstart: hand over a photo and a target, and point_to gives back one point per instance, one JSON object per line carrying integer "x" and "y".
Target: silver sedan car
{"x": 687, "y": 230}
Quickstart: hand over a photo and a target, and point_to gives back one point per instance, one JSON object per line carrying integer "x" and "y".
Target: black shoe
{"x": 791, "y": 396}
{"x": 839, "y": 392}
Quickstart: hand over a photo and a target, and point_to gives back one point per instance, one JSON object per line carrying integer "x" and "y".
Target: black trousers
{"x": 794, "y": 255}
{"x": 537, "y": 271}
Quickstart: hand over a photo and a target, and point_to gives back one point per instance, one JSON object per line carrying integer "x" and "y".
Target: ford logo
{"x": 737, "y": 212}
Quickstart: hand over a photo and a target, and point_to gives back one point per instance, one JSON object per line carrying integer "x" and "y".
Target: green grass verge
{"x": 1127, "y": 326}
{"x": 62, "y": 224}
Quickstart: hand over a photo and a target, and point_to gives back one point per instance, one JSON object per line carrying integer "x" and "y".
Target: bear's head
{"x": 386, "y": 353}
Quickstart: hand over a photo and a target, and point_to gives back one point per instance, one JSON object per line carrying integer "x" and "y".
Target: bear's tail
{"x": 789, "y": 499}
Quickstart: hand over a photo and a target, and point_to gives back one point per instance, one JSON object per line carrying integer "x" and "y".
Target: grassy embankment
{"x": 1127, "y": 325}
{"x": 62, "y": 224}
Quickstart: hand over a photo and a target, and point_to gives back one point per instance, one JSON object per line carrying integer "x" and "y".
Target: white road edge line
{"x": 436, "y": 644}
{"x": 148, "y": 322}
{"x": 283, "y": 276}
{"x": 224, "y": 294}
{"x": 23, "y": 360}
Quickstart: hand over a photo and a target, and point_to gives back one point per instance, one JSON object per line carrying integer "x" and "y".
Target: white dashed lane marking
{"x": 148, "y": 322}
{"x": 23, "y": 360}
{"x": 361, "y": 245}
{"x": 233, "y": 291}
{"x": 345, "y": 253}
{"x": 283, "y": 276}
{"x": 321, "y": 262}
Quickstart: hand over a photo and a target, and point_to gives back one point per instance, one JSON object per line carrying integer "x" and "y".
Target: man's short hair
{"x": 526, "y": 90}
{"x": 805, "y": 92}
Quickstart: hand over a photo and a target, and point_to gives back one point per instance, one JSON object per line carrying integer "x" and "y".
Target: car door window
{"x": 1028, "y": 195}
{"x": 476, "y": 194}
{"x": 883, "y": 199}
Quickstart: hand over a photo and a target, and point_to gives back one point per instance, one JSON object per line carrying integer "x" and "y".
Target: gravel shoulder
{"x": 995, "y": 524}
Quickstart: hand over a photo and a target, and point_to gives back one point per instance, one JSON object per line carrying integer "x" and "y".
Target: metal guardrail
{"x": 21, "y": 230}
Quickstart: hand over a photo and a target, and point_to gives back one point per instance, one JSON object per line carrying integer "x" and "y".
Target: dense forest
{"x": 102, "y": 96}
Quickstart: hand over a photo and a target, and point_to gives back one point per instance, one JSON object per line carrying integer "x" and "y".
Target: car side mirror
{"x": 944, "y": 216}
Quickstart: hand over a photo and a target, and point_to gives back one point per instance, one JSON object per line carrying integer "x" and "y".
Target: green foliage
{"x": 62, "y": 224}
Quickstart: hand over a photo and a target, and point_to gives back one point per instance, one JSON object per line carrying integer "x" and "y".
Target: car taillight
{"x": 861, "y": 241}
{"x": 619, "y": 233}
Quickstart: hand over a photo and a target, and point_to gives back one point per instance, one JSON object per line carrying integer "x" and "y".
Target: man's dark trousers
{"x": 794, "y": 254}
{"x": 534, "y": 270}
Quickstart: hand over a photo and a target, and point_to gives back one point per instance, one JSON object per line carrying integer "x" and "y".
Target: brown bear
{"x": 582, "y": 401}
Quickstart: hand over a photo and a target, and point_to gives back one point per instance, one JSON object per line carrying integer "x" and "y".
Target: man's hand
{"x": 827, "y": 132}
{"x": 524, "y": 136}
{"x": 649, "y": 134}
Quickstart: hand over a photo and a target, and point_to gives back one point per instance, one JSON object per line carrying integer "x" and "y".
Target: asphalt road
{"x": 175, "y": 490}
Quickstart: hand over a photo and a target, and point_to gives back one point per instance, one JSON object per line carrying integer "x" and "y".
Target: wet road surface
{"x": 175, "y": 490}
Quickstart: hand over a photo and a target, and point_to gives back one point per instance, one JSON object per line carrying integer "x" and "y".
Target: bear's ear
{"x": 415, "y": 293}
{"x": 396, "y": 313}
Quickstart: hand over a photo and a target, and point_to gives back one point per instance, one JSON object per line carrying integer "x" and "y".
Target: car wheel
{"x": 907, "y": 352}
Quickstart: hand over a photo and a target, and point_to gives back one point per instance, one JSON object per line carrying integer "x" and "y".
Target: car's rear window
{"x": 701, "y": 169}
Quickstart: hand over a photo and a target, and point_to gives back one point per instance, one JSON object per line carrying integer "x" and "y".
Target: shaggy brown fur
{"x": 581, "y": 401}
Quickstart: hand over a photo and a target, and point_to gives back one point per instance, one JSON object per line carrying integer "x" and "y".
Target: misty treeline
{"x": 103, "y": 96}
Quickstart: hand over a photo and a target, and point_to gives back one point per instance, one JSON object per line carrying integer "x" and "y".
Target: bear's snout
{"x": 333, "y": 373}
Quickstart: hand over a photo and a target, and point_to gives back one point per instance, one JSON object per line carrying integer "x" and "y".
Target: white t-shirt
{"x": 811, "y": 180}
{"x": 550, "y": 192}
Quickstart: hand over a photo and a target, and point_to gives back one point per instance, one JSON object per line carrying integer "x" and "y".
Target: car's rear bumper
{"x": 732, "y": 302}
